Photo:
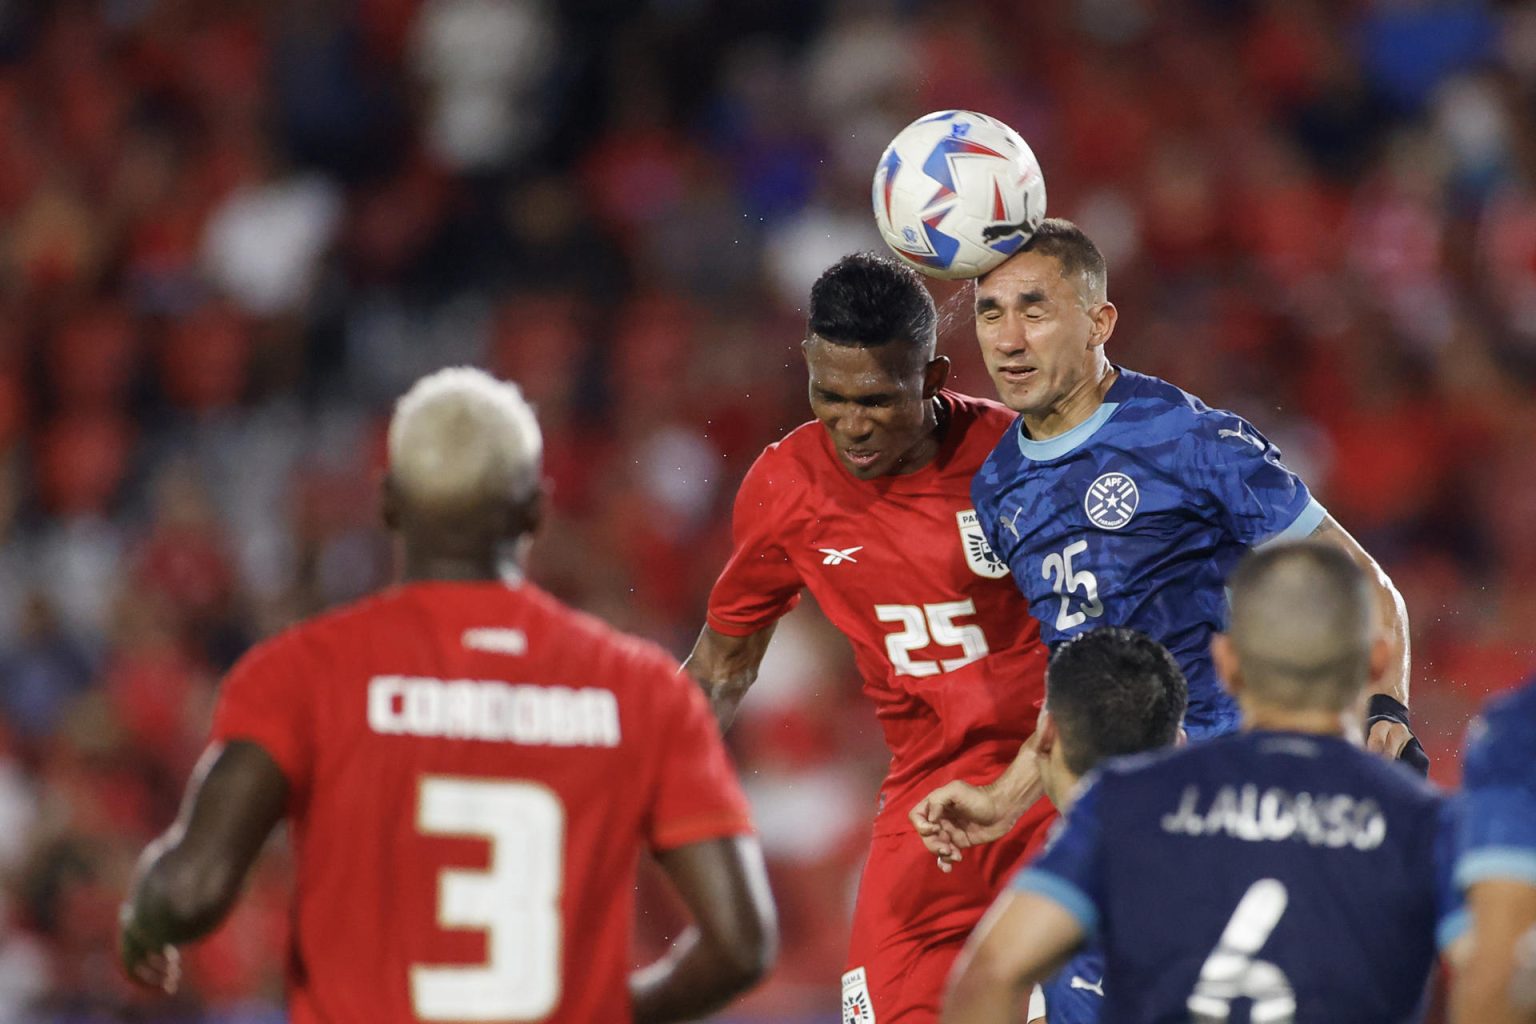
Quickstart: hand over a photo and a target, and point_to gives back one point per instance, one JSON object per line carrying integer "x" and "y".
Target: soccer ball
{"x": 956, "y": 193}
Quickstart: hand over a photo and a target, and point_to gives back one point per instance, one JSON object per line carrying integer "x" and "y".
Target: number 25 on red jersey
{"x": 931, "y": 624}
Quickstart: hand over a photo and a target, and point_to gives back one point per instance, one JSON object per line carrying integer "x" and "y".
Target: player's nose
{"x": 1009, "y": 338}
{"x": 855, "y": 425}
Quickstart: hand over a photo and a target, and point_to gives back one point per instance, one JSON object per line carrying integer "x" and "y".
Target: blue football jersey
{"x": 1264, "y": 876}
{"x": 1135, "y": 517}
{"x": 1075, "y": 994}
{"x": 1498, "y": 812}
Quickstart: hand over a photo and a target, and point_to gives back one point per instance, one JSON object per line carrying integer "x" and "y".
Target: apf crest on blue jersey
{"x": 1111, "y": 501}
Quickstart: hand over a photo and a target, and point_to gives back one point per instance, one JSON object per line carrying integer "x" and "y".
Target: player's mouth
{"x": 863, "y": 458}
{"x": 1017, "y": 374}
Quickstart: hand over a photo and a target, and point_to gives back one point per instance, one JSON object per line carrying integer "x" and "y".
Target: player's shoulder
{"x": 793, "y": 463}
{"x": 1500, "y": 739}
{"x": 325, "y": 632}
{"x": 589, "y": 638}
{"x": 984, "y": 415}
{"x": 1146, "y": 398}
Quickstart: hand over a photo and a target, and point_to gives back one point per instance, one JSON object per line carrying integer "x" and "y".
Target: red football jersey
{"x": 943, "y": 638}
{"x": 474, "y": 769}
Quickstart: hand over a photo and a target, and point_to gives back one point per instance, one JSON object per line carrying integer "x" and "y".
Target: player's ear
{"x": 1381, "y": 658}
{"x": 389, "y": 503}
{"x": 935, "y": 375}
{"x": 1045, "y": 725}
{"x": 1224, "y": 656}
{"x": 1104, "y": 317}
{"x": 525, "y": 516}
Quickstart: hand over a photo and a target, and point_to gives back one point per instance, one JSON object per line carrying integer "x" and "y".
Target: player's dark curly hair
{"x": 867, "y": 299}
{"x": 1113, "y": 691}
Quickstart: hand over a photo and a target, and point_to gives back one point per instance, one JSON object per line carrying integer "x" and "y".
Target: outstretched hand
{"x": 957, "y": 816}
{"x": 155, "y": 967}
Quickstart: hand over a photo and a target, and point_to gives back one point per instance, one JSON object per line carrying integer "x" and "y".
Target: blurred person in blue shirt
{"x": 1281, "y": 869}
{"x": 1496, "y": 865}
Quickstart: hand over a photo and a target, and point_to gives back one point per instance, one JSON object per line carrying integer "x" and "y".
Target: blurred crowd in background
{"x": 232, "y": 231}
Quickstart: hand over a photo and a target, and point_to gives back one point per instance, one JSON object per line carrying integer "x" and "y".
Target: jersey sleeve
{"x": 1451, "y": 917}
{"x": 696, "y": 796}
{"x": 759, "y": 583}
{"x": 1497, "y": 829}
{"x": 1258, "y": 499}
{"x": 266, "y": 699}
{"x": 1069, "y": 870}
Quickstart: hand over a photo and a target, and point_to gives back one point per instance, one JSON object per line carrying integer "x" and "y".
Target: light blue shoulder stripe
{"x": 1061, "y": 444}
{"x": 1306, "y": 521}
{"x": 1515, "y": 863}
{"x": 1453, "y": 927}
{"x": 1058, "y": 890}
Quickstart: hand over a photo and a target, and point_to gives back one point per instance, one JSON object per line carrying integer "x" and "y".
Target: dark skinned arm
{"x": 726, "y": 666}
{"x": 730, "y": 946}
{"x": 189, "y": 878}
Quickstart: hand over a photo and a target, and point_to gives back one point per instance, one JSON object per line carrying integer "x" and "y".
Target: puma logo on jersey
{"x": 1012, "y": 524}
{"x": 1224, "y": 432}
{"x": 1096, "y": 987}
{"x": 836, "y": 556}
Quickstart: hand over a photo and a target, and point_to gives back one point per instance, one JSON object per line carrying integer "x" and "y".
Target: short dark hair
{"x": 868, "y": 299}
{"x": 1113, "y": 691}
{"x": 1066, "y": 243}
{"x": 1303, "y": 621}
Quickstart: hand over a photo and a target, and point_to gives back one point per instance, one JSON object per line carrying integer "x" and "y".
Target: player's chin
{"x": 1016, "y": 395}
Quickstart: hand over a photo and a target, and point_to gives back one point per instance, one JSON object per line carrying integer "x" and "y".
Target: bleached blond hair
{"x": 460, "y": 436}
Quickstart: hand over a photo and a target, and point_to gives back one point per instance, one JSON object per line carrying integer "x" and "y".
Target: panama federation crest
{"x": 857, "y": 1009}
{"x": 1111, "y": 501}
{"x": 978, "y": 553}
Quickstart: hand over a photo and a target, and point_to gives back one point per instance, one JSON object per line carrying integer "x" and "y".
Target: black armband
{"x": 1386, "y": 708}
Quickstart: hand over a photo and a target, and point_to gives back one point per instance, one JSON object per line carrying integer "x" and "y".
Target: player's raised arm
{"x": 189, "y": 878}
{"x": 1023, "y": 939}
{"x": 726, "y": 667}
{"x": 1388, "y": 730}
{"x": 732, "y": 943}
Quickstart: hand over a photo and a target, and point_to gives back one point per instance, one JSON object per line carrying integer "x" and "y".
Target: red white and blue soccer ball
{"x": 957, "y": 192}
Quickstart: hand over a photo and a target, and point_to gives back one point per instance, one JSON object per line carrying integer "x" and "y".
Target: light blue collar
{"x": 1061, "y": 444}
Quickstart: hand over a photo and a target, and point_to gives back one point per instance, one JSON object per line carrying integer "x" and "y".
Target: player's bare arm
{"x": 732, "y": 943}
{"x": 959, "y": 815}
{"x": 1385, "y": 736}
{"x": 1023, "y": 940}
{"x": 1492, "y": 985}
{"x": 188, "y": 879}
{"x": 726, "y": 667}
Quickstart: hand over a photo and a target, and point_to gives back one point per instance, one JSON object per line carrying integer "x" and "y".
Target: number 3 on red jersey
{"x": 922, "y": 625}
{"x": 515, "y": 902}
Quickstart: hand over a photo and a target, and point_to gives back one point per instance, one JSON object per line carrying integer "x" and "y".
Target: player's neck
{"x": 422, "y": 567}
{"x": 1318, "y": 722}
{"x": 1075, "y": 407}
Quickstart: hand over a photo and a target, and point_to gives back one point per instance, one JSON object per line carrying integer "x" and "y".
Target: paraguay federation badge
{"x": 1111, "y": 501}
{"x": 978, "y": 553}
{"x": 857, "y": 1008}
